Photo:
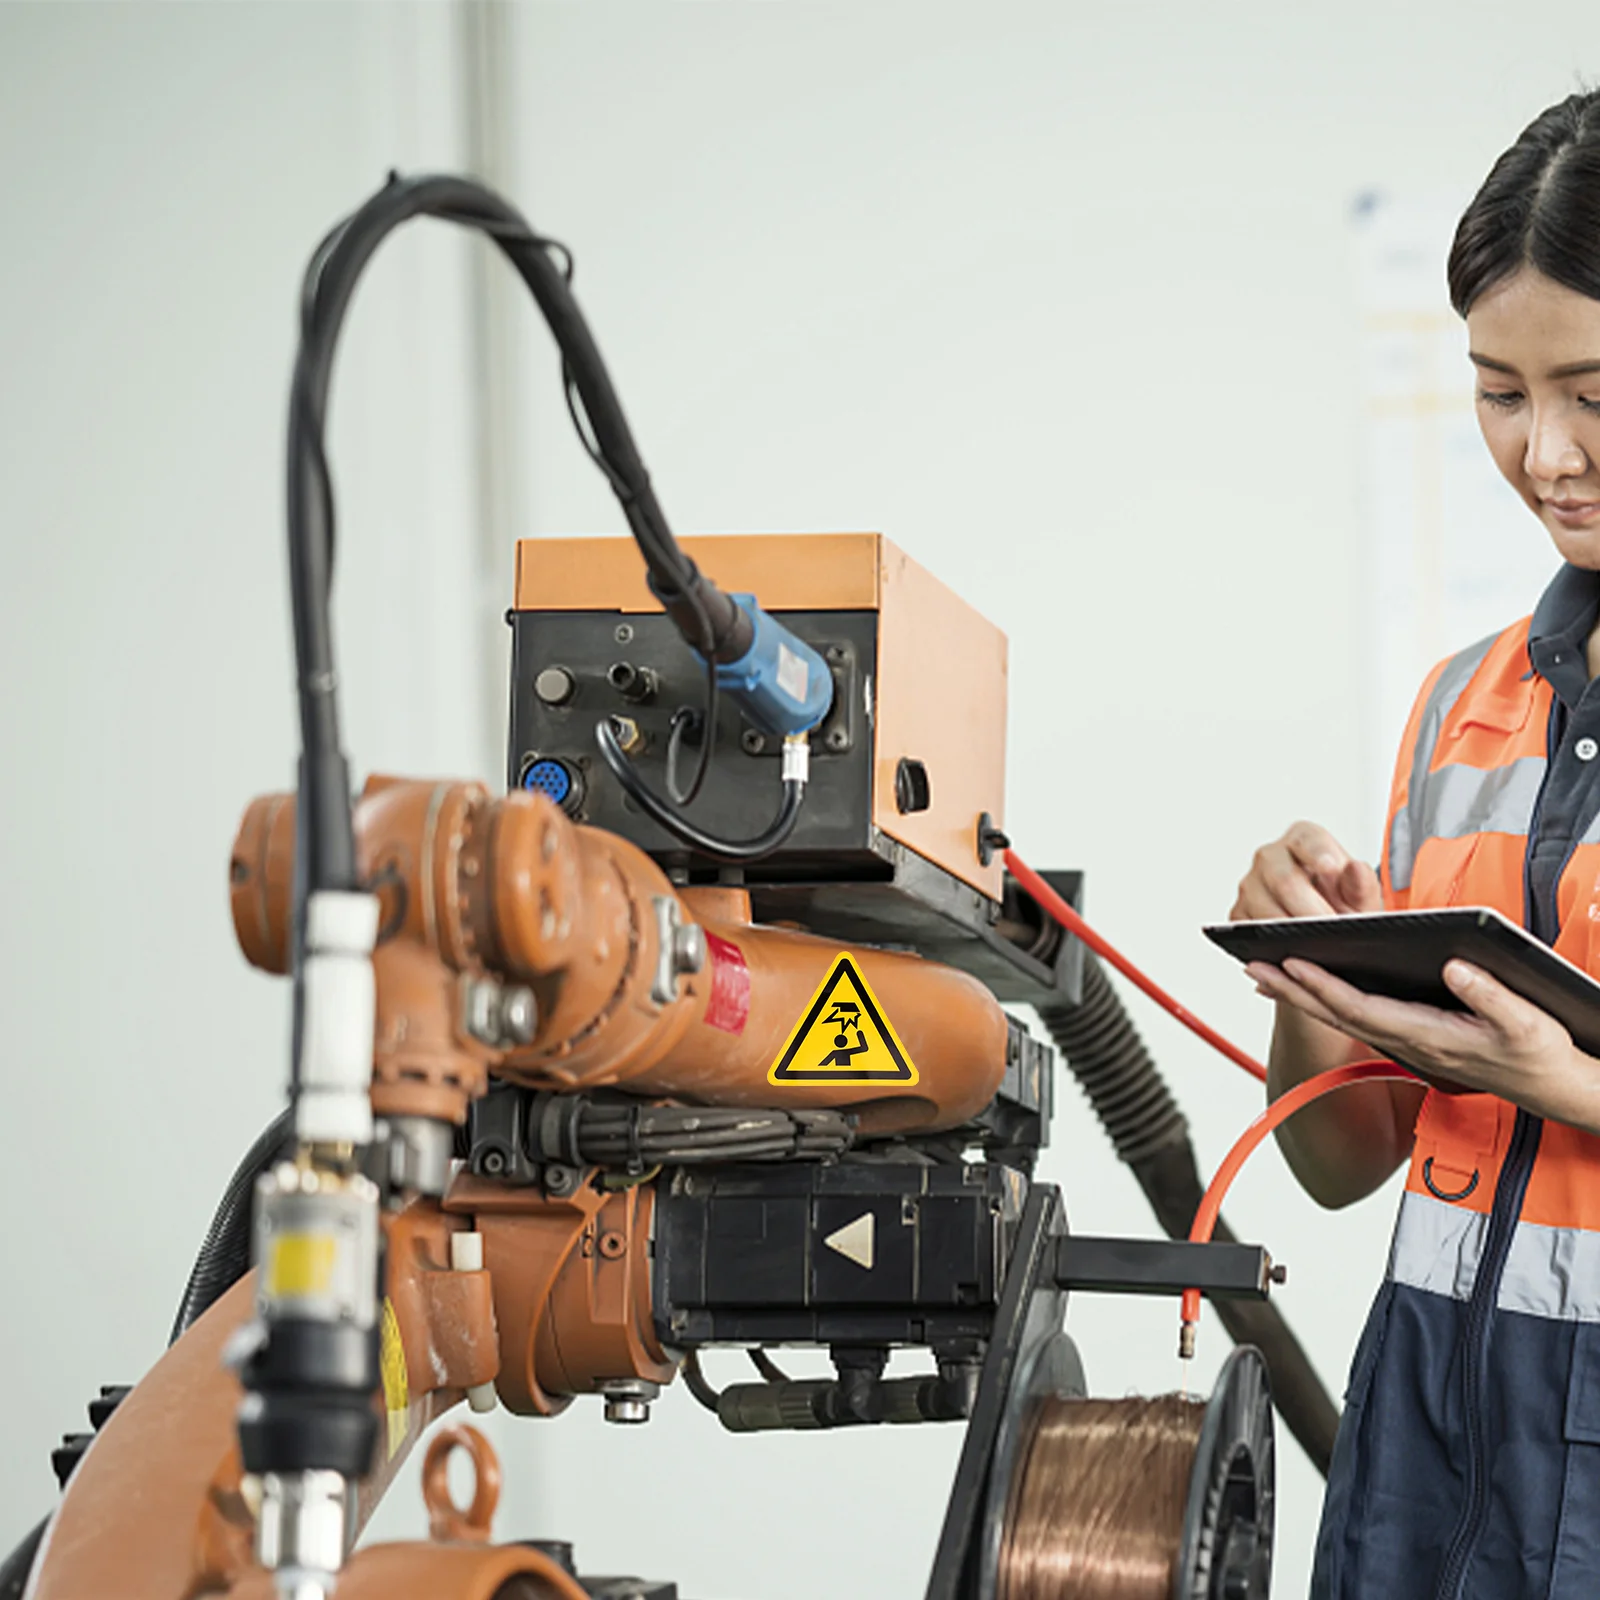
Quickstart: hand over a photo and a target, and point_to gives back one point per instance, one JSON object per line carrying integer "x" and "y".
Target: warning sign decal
{"x": 392, "y": 1367}
{"x": 844, "y": 1037}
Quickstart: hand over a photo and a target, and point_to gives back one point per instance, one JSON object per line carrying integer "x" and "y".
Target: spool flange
{"x": 1225, "y": 1552}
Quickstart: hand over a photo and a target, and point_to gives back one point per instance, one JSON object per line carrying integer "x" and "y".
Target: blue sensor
{"x": 551, "y": 778}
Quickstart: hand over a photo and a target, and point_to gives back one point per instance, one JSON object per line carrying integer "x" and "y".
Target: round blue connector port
{"x": 550, "y": 777}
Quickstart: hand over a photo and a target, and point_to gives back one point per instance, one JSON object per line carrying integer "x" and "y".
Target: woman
{"x": 1468, "y": 1460}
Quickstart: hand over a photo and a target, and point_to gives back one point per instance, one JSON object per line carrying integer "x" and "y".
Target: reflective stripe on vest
{"x": 1550, "y": 1272}
{"x": 1410, "y": 825}
{"x": 1458, "y": 800}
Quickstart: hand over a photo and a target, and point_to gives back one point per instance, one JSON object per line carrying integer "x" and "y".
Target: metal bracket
{"x": 1165, "y": 1266}
{"x": 680, "y": 949}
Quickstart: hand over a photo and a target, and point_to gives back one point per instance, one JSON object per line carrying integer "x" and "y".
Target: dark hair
{"x": 1539, "y": 207}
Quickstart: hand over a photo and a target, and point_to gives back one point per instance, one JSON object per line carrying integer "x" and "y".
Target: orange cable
{"x": 1279, "y": 1112}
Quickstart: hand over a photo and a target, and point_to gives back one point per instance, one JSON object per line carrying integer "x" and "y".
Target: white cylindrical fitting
{"x": 340, "y": 1013}
{"x": 796, "y": 758}
{"x": 466, "y": 1252}
{"x": 466, "y": 1255}
{"x": 342, "y": 921}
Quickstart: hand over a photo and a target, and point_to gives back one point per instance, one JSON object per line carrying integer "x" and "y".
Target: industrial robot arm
{"x": 582, "y": 1085}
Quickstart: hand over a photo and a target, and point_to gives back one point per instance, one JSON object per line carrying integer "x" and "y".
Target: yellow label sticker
{"x": 844, "y": 1037}
{"x": 301, "y": 1264}
{"x": 396, "y": 1390}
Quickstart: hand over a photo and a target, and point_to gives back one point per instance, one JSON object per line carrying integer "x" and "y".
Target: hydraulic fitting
{"x": 636, "y": 685}
{"x": 309, "y": 1366}
{"x": 302, "y": 1530}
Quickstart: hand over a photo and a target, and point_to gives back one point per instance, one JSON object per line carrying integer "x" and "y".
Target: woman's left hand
{"x": 1503, "y": 1045}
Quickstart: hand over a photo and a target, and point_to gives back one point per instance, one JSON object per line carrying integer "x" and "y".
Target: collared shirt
{"x": 1569, "y": 801}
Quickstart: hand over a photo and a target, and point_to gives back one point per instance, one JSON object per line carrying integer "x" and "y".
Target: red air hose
{"x": 1279, "y": 1112}
{"x": 1074, "y": 924}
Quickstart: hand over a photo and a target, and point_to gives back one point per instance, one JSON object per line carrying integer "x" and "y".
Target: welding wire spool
{"x": 1143, "y": 1499}
{"x": 1048, "y": 1366}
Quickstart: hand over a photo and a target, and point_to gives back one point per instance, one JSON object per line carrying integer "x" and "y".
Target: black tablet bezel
{"x": 1402, "y": 954}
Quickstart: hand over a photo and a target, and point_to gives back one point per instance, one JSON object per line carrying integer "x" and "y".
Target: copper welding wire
{"x": 1096, "y": 1507}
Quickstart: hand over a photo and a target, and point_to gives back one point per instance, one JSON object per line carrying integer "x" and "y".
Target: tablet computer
{"x": 1402, "y": 954}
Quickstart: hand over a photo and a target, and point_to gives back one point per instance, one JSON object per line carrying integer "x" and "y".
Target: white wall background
{"x": 167, "y": 171}
{"x": 1060, "y": 297}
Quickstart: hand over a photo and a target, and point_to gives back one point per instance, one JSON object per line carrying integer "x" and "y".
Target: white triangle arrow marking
{"x": 854, "y": 1240}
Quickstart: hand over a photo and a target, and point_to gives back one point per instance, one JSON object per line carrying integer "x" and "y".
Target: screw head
{"x": 752, "y": 741}
{"x": 837, "y": 739}
{"x": 624, "y": 632}
{"x": 494, "y": 1162}
{"x": 559, "y": 1179}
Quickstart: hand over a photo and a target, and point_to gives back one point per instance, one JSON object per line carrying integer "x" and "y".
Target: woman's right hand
{"x": 1306, "y": 873}
{"x": 1346, "y": 1145}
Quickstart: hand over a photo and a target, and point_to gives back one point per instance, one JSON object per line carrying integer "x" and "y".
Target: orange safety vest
{"x": 1467, "y": 1465}
{"x": 1468, "y": 778}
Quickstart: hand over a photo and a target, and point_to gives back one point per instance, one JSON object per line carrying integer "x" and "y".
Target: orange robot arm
{"x": 624, "y": 973}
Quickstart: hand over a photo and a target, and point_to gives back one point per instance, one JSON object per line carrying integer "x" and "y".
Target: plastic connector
{"x": 335, "y": 1099}
{"x": 780, "y": 683}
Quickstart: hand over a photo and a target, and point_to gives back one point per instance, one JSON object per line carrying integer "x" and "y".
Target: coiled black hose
{"x": 1101, "y": 1046}
{"x": 225, "y": 1253}
{"x": 15, "y": 1568}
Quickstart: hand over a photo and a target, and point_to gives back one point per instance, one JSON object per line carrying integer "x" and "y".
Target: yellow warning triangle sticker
{"x": 843, "y": 1037}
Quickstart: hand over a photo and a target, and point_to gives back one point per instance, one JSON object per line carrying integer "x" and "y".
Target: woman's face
{"x": 1536, "y": 346}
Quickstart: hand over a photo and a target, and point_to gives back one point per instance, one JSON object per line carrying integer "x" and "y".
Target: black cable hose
{"x": 684, "y": 721}
{"x": 694, "y": 1380}
{"x": 766, "y": 1366}
{"x": 224, "y": 1255}
{"x": 1109, "y": 1059}
{"x": 1101, "y": 1046}
{"x": 15, "y": 1568}
{"x": 764, "y": 843}
{"x": 325, "y": 832}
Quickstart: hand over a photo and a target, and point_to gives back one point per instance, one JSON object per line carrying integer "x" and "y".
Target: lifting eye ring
{"x": 1435, "y": 1190}
{"x": 446, "y": 1520}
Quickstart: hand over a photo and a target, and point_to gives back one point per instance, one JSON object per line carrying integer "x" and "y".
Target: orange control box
{"x": 938, "y": 696}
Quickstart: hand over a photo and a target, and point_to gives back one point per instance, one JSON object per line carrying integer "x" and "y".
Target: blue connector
{"x": 556, "y": 780}
{"x": 782, "y": 685}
